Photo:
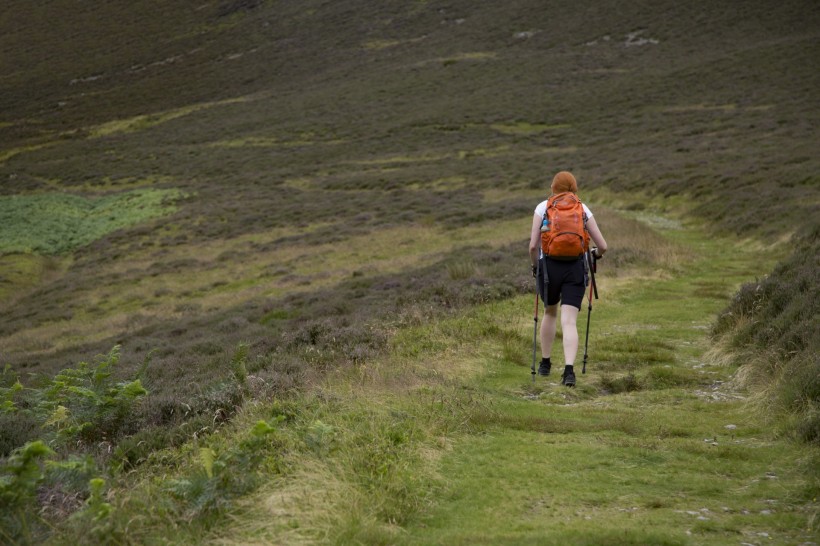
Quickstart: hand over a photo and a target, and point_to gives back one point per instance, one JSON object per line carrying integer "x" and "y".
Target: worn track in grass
{"x": 679, "y": 460}
{"x": 655, "y": 446}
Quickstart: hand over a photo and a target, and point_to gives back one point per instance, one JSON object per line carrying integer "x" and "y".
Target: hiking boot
{"x": 544, "y": 368}
{"x": 568, "y": 379}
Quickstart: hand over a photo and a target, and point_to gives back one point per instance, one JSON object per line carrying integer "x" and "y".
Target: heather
{"x": 263, "y": 275}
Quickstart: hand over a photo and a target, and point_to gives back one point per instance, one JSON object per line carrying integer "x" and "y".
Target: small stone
{"x": 730, "y": 427}
{"x": 524, "y": 35}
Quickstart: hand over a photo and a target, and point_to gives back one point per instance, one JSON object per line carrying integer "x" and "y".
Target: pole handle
{"x": 592, "y": 267}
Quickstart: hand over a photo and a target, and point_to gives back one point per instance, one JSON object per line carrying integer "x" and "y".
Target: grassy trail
{"x": 449, "y": 441}
{"x": 677, "y": 460}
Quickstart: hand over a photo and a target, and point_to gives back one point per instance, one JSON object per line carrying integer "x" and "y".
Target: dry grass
{"x": 323, "y": 500}
{"x": 315, "y": 493}
{"x": 635, "y": 244}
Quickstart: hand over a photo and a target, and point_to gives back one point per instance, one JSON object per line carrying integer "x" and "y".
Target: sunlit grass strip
{"x": 701, "y": 108}
{"x": 147, "y": 121}
{"x": 109, "y": 184}
{"x": 377, "y": 45}
{"x": 401, "y": 159}
{"x": 127, "y": 125}
{"x": 466, "y": 56}
{"x": 8, "y": 154}
{"x": 273, "y": 142}
{"x": 527, "y": 128}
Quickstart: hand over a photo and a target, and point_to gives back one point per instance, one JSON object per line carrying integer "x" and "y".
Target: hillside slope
{"x": 273, "y": 189}
{"x": 353, "y": 118}
{"x": 648, "y": 95}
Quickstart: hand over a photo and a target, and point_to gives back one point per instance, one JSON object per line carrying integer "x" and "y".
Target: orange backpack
{"x": 564, "y": 233}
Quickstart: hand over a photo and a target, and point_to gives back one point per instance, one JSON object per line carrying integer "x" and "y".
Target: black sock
{"x": 545, "y": 360}
{"x": 568, "y": 369}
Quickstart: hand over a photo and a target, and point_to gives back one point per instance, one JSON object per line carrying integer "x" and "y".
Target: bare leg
{"x": 548, "y": 329}
{"x": 569, "y": 330}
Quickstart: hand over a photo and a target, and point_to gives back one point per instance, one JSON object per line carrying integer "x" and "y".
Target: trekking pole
{"x": 593, "y": 288}
{"x": 535, "y": 319}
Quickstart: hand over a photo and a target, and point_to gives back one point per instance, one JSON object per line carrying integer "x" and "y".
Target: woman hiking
{"x": 563, "y": 276}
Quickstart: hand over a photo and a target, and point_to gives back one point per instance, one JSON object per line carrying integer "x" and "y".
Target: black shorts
{"x": 566, "y": 281}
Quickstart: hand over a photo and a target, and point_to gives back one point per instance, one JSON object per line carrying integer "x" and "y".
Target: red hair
{"x": 563, "y": 182}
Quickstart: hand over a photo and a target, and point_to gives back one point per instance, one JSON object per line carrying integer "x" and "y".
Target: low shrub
{"x": 219, "y": 478}
{"x": 20, "y": 477}
{"x": 799, "y": 393}
{"x": 134, "y": 450}
{"x": 327, "y": 341}
{"x": 76, "y": 412}
{"x": 15, "y": 430}
{"x": 95, "y": 519}
{"x": 85, "y": 404}
{"x": 78, "y": 406}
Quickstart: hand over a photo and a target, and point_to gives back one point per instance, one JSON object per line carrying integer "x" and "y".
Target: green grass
{"x": 657, "y": 466}
{"x": 57, "y": 223}
{"x": 359, "y": 179}
{"x": 444, "y": 439}
{"x": 495, "y": 458}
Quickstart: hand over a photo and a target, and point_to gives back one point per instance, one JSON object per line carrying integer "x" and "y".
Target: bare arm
{"x": 535, "y": 238}
{"x": 595, "y": 234}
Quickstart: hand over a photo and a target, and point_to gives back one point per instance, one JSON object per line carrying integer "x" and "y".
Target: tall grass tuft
{"x": 461, "y": 269}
